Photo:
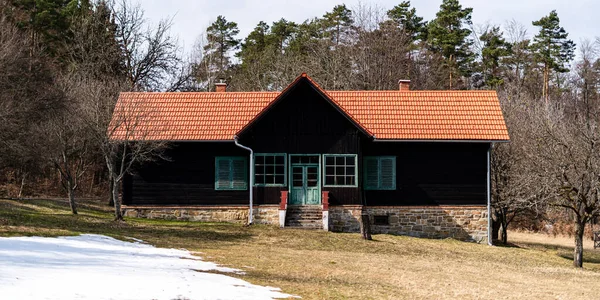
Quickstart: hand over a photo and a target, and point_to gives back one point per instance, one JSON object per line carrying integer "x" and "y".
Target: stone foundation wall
{"x": 460, "y": 222}
{"x": 345, "y": 218}
{"x": 234, "y": 214}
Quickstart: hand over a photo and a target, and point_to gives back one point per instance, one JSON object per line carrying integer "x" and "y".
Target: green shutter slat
{"x": 371, "y": 173}
{"x": 223, "y": 167}
{"x": 387, "y": 180}
{"x": 238, "y": 174}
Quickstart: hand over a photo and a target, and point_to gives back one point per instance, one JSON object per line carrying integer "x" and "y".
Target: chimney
{"x": 404, "y": 85}
{"x": 221, "y": 86}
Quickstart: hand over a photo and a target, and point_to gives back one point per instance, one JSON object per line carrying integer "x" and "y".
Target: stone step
{"x": 303, "y": 220}
{"x": 304, "y": 216}
{"x": 311, "y": 227}
{"x": 304, "y": 224}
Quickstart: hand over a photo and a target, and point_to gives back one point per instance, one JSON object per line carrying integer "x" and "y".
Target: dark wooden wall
{"x": 433, "y": 173}
{"x": 188, "y": 178}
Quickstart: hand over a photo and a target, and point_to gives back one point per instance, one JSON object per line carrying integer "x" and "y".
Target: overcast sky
{"x": 191, "y": 17}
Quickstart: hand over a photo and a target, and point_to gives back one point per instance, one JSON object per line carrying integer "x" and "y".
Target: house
{"x": 416, "y": 162}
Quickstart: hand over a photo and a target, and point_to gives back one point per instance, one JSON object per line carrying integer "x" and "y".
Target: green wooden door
{"x": 305, "y": 185}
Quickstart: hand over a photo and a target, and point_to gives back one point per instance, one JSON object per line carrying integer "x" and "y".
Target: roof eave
{"x": 440, "y": 141}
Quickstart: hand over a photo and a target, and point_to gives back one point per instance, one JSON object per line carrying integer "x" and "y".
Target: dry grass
{"x": 532, "y": 238}
{"x": 323, "y": 265}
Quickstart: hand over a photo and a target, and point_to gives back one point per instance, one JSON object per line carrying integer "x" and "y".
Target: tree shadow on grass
{"x": 59, "y": 222}
{"x": 499, "y": 243}
{"x": 566, "y": 252}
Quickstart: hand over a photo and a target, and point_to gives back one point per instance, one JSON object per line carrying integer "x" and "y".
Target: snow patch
{"x": 99, "y": 267}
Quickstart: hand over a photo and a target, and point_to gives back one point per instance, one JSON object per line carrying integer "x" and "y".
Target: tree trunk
{"x": 111, "y": 201}
{"x": 495, "y": 229}
{"x": 450, "y": 66}
{"x": 71, "y": 193}
{"x": 365, "y": 226}
{"x": 504, "y": 233}
{"x": 578, "y": 251}
{"x": 23, "y": 176}
{"x": 116, "y": 201}
{"x": 92, "y": 183}
{"x": 546, "y": 89}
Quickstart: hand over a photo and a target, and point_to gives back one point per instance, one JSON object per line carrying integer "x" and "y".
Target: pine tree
{"x": 255, "y": 43}
{"x": 495, "y": 48}
{"x": 281, "y": 33}
{"x": 408, "y": 21}
{"x": 221, "y": 40}
{"x": 552, "y": 48}
{"x": 48, "y": 21}
{"x": 305, "y": 36}
{"x": 448, "y": 36}
{"x": 338, "y": 23}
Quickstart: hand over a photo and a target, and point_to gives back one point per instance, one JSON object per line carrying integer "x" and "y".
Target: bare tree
{"x": 382, "y": 53}
{"x": 568, "y": 165}
{"x": 69, "y": 141}
{"x": 27, "y": 99}
{"x": 513, "y": 186}
{"x": 151, "y": 55}
{"x": 129, "y": 141}
{"x": 519, "y": 63}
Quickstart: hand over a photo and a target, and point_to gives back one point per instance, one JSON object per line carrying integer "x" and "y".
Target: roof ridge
{"x": 328, "y": 91}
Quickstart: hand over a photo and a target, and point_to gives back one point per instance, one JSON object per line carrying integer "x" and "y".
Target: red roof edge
{"x": 325, "y": 95}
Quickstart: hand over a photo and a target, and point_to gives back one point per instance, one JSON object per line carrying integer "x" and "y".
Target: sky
{"x": 191, "y": 17}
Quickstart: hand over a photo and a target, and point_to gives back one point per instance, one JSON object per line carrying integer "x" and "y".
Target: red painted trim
{"x": 284, "y": 199}
{"x": 325, "y": 200}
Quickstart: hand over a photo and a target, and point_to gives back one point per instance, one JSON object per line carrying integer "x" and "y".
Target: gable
{"x": 302, "y": 122}
{"x": 303, "y": 104}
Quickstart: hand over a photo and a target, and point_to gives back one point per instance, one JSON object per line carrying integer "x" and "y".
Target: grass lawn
{"x": 318, "y": 265}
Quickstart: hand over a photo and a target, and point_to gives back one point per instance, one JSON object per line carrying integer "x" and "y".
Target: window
{"x": 269, "y": 169}
{"x": 380, "y": 173}
{"x": 230, "y": 173}
{"x": 381, "y": 220}
{"x": 340, "y": 169}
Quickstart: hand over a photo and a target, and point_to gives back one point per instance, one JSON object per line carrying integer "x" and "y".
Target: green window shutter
{"x": 387, "y": 173}
{"x": 380, "y": 173}
{"x": 230, "y": 173}
{"x": 238, "y": 174}
{"x": 371, "y": 173}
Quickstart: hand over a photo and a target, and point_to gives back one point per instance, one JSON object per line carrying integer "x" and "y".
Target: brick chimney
{"x": 221, "y": 86}
{"x": 404, "y": 85}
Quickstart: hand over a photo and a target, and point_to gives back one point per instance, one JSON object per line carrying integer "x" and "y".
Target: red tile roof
{"x": 427, "y": 115}
{"x": 386, "y": 115}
